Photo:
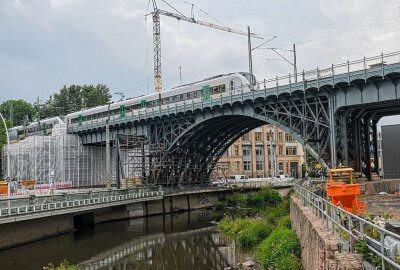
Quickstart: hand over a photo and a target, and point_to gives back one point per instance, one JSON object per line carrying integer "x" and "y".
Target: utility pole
{"x": 180, "y": 74}
{"x": 250, "y": 57}
{"x": 272, "y": 146}
{"x": 11, "y": 113}
{"x": 294, "y": 62}
{"x": 108, "y": 153}
{"x": 8, "y": 160}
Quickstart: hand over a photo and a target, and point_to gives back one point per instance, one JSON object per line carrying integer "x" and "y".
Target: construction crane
{"x": 157, "y": 38}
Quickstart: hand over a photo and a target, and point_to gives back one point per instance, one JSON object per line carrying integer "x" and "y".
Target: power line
{"x": 351, "y": 41}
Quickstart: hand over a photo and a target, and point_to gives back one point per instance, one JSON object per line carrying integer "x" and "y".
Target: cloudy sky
{"x": 45, "y": 44}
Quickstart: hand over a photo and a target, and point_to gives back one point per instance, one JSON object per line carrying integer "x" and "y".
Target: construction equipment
{"x": 343, "y": 192}
{"x": 157, "y": 38}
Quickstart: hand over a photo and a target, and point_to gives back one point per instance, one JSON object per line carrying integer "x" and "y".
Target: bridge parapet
{"x": 364, "y": 69}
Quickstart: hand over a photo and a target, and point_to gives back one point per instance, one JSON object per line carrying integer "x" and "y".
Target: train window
{"x": 181, "y": 97}
{"x": 231, "y": 85}
{"x": 189, "y": 95}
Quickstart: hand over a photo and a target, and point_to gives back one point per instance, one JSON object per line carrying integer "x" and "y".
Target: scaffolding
{"x": 138, "y": 161}
{"x": 56, "y": 159}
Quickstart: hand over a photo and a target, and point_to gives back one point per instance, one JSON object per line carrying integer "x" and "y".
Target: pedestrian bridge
{"x": 333, "y": 112}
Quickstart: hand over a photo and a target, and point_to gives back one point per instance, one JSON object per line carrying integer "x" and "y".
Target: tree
{"x": 16, "y": 110}
{"x": 74, "y": 98}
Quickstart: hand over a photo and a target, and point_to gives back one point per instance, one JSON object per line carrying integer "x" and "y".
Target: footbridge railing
{"x": 351, "y": 228}
{"x": 57, "y": 202}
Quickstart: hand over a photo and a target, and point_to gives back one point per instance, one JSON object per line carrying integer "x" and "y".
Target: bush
{"x": 264, "y": 198}
{"x": 274, "y": 214}
{"x": 234, "y": 227}
{"x": 281, "y": 246}
{"x": 285, "y": 222}
{"x": 64, "y": 265}
{"x": 254, "y": 234}
{"x": 361, "y": 247}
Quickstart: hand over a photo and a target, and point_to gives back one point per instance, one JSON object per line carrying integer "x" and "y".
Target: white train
{"x": 220, "y": 85}
{"x": 42, "y": 127}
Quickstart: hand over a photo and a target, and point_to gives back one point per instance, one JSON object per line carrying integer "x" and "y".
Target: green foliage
{"x": 16, "y": 110}
{"x": 64, "y": 265}
{"x": 285, "y": 222}
{"x": 265, "y": 197}
{"x": 361, "y": 247}
{"x": 280, "y": 250}
{"x": 269, "y": 235}
{"x": 252, "y": 235}
{"x": 74, "y": 98}
{"x": 274, "y": 214}
{"x": 372, "y": 232}
{"x": 233, "y": 227}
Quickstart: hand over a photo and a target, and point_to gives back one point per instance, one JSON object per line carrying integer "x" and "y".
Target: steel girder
{"x": 195, "y": 142}
{"x": 307, "y": 115}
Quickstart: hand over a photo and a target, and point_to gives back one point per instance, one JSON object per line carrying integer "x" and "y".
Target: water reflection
{"x": 183, "y": 241}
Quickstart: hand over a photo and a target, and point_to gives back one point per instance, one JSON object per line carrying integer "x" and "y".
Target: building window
{"x": 258, "y": 136}
{"x": 259, "y": 165}
{"x": 291, "y": 150}
{"x": 246, "y": 137}
{"x": 224, "y": 166}
{"x": 280, "y": 150}
{"x": 237, "y": 166}
{"x": 280, "y": 136}
{"x": 236, "y": 150}
{"x": 289, "y": 138}
{"x": 246, "y": 165}
{"x": 281, "y": 167}
{"x": 259, "y": 151}
{"x": 246, "y": 149}
{"x": 270, "y": 136}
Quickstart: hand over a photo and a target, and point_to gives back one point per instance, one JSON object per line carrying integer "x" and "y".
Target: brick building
{"x": 251, "y": 155}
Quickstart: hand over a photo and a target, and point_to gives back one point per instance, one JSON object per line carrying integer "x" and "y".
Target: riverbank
{"x": 260, "y": 225}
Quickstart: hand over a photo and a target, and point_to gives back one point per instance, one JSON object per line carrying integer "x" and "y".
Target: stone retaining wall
{"x": 320, "y": 248}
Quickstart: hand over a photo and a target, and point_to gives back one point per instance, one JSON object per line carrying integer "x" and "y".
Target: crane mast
{"x": 157, "y": 38}
{"x": 157, "y": 49}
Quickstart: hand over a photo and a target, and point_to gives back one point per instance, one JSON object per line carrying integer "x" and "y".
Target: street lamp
{"x": 8, "y": 155}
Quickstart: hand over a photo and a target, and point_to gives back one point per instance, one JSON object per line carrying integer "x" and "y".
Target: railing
{"x": 350, "y": 228}
{"x": 65, "y": 201}
{"x": 364, "y": 64}
{"x": 361, "y": 68}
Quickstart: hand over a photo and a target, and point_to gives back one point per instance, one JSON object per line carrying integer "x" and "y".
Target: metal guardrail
{"x": 76, "y": 200}
{"x": 348, "y": 226}
{"x": 347, "y": 71}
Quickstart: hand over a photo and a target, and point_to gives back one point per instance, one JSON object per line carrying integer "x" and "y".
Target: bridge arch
{"x": 195, "y": 147}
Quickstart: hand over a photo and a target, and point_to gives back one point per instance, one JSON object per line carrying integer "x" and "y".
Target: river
{"x": 188, "y": 240}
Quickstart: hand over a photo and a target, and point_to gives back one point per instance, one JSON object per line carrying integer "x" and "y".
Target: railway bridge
{"x": 333, "y": 112}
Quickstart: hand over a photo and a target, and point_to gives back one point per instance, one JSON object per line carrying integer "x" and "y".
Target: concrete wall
{"x": 374, "y": 187}
{"x": 20, "y": 232}
{"x": 17, "y": 233}
{"x": 317, "y": 242}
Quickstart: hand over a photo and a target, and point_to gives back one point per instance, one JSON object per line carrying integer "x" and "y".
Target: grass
{"x": 267, "y": 234}
{"x": 64, "y": 265}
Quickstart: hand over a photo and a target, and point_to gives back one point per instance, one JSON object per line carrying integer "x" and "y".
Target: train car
{"x": 41, "y": 127}
{"x": 220, "y": 85}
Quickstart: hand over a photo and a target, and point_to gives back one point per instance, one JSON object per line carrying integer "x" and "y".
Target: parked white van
{"x": 238, "y": 178}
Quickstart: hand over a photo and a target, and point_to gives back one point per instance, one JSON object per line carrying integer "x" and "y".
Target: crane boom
{"x": 207, "y": 24}
{"x": 157, "y": 38}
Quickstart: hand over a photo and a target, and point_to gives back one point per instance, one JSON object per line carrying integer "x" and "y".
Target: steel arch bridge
{"x": 333, "y": 112}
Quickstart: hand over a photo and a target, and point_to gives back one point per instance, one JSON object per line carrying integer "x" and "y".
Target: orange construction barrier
{"x": 343, "y": 192}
